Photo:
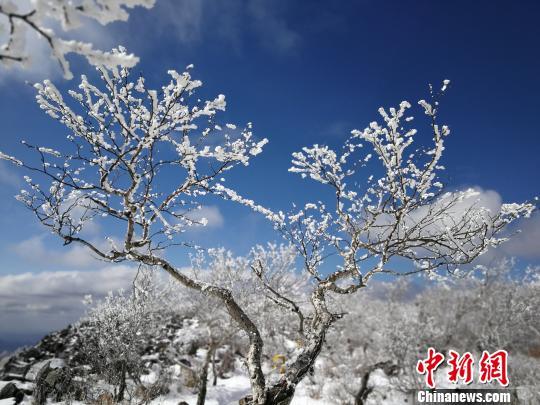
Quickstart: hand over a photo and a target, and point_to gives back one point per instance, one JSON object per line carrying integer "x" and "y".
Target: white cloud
{"x": 191, "y": 21}
{"x": 473, "y": 198}
{"x": 187, "y": 21}
{"x": 478, "y": 198}
{"x": 209, "y": 212}
{"x": 66, "y": 283}
{"x": 525, "y": 244}
{"x": 182, "y": 19}
{"x": 41, "y": 302}
{"x": 35, "y": 251}
{"x": 271, "y": 27}
{"x": 522, "y": 245}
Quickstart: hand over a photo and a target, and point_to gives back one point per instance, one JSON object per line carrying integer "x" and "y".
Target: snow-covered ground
{"x": 230, "y": 391}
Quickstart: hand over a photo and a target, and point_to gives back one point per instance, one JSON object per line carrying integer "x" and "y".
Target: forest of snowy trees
{"x": 157, "y": 343}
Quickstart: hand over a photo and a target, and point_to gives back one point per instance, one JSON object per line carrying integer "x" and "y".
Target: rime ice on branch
{"x": 19, "y": 20}
{"x": 141, "y": 158}
{"x": 402, "y": 213}
{"x": 124, "y": 137}
{"x": 397, "y": 210}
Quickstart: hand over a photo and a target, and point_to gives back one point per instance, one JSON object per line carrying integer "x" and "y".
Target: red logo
{"x": 429, "y": 365}
{"x": 461, "y": 367}
{"x": 492, "y": 367}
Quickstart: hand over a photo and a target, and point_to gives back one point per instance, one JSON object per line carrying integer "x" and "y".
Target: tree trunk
{"x": 203, "y": 378}
{"x": 282, "y": 393}
{"x": 277, "y": 395}
{"x": 389, "y": 369}
{"x": 253, "y": 360}
{"x": 214, "y": 371}
{"x": 122, "y": 387}
{"x": 364, "y": 391}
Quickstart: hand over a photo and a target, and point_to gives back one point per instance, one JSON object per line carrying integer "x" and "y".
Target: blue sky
{"x": 308, "y": 72}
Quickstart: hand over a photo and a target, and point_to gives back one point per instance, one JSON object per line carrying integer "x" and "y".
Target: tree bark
{"x": 389, "y": 369}
{"x": 253, "y": 360}
{"x": 283, "y": 392}
{"x": 122, "y": 386}
{"x": 214, "y": 371}
{"x": 203, "y": 378}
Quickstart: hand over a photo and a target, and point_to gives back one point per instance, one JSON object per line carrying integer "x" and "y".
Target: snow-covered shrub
{"x": 396, "y": 323}
{"x": 119, "y": 327}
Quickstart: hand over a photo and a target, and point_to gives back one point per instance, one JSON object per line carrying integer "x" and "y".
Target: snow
{"x": 302, "y": 398}
{"x": 21, "y": 22}
{"x": 149, "y": 378}
{"x": 228, "y": 391}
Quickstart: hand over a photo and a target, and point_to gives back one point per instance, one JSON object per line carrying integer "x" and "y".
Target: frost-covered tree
{"x": 116, "y": 333}
{"x": 143, "y": 159}
{"x": 113, "y": 348}
{"x": 22, "y": 19}
{"x": 375, "y": 349}
{"x": 373, "y": 217}
{"x": 126, "y": 141}
{"x": 265, "y": 297}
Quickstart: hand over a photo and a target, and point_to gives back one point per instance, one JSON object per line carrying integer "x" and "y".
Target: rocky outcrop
{"x": 10, "y": 390}
{"x": 55, "y": 367}
{"x": 52, "y": 380}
